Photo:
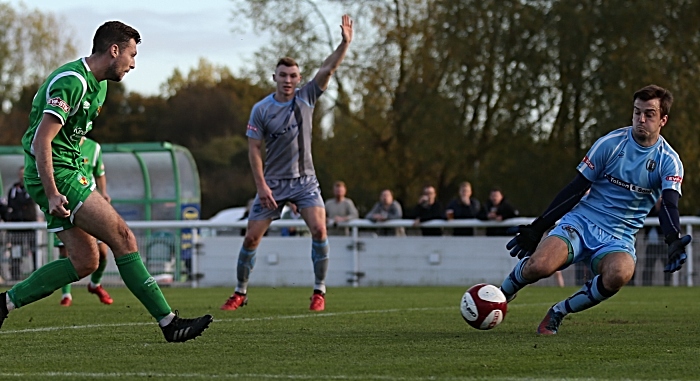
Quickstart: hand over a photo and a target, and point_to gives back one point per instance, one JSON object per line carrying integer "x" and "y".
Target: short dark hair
{"x": 114, "y": 32}
{"x": 286, "y": 61}
{"x": 650, "y": 92}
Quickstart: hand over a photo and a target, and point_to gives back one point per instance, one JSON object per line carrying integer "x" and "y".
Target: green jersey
{"x": 75, "y": 97}
{"x": 91, "y": 158}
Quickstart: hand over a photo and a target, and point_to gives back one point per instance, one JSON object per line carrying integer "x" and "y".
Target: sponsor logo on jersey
{"x": 83, "y": 180}
{"x": 60, "y": 103}
{"x": 651, "y": 165}
{"x": 675, "y": 179}
{"x": 588, "y": 162}
{"x": 86, "y": 105}
{"x": 621, "y": 154}
{"x": 85, "y": 160}
{"x": 252, "y": 128}
{"x": 624, "y": 184}
{"x": 78, "y": 133}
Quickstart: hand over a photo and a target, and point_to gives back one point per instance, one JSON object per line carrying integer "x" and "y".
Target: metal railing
{"x": 157, "y": 248}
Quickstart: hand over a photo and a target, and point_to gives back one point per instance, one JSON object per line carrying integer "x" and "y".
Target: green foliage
{"x": 32, "y": 44}
{"x": 383, "y": 333}
{"x": 507, "y": 93}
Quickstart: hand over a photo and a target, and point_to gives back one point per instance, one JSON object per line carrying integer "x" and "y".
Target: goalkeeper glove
{"x": 525, "y": 242}
{"x": 676, "y": 251}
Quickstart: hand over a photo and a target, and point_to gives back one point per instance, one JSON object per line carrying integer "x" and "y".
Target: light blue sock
{"x": 514, "y": 282}
{"x": 246, "y": 262}
{"x": 319, "y": 256}
{"x": 591, "y": 294}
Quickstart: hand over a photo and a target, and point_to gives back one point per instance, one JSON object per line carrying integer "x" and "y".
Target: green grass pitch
{"x": 382, "y": 334}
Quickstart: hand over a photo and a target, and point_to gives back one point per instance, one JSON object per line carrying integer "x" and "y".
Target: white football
{"x": 483, "y": 306}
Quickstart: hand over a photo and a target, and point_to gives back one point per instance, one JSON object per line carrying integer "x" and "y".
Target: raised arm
{"x": 330, "y": 65}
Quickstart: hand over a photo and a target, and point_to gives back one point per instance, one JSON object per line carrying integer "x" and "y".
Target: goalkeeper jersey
{"x": 627, "y": 180}
{"x": 75, "y": 97}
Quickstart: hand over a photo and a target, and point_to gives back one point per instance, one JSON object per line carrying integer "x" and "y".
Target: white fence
{"x": 362, "y": 258}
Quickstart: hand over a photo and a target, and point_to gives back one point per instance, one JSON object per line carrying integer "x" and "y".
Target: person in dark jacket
{"x": 428, "y": 208}
{"x": 20, "y": 208}
{"x": 497, "y": 208}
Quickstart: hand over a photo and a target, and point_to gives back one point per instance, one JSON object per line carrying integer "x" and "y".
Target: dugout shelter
{"x": 152, "y": 181}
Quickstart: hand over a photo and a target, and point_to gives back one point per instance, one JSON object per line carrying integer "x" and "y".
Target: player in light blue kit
{"x": 283, "y": 121}
{"x": 626, "y": 170}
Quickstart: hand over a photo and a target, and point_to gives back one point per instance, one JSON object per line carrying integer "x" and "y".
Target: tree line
{"x": 507, "y": 93}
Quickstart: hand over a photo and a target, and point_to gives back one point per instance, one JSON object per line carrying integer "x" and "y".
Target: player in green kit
{"x": 91, "y": 158}
{"x": 62, "y": 113}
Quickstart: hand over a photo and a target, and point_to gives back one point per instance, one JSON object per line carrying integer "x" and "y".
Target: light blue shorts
{"x": 303, "y": 191}
{"x": 588, "y": 243}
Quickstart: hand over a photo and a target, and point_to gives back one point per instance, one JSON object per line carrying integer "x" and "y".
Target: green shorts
{"x": 74, "y": 184}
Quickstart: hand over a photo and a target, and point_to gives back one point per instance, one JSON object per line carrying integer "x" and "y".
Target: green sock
{"x": 142, "y": 285}
{"x": 43, "y": 282}
{"x": 65, "y": 289}
{"x": 96, "y": 277}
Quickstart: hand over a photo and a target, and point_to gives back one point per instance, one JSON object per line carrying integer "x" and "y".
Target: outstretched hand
{"x": 525, "y": 242}
{"x": 676, "y": 253}
{"x": 346, "y": 28}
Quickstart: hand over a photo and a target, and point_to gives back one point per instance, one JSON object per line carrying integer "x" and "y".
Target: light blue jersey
{"x": 287, "y": 144}
{"x": 627, "y": 180}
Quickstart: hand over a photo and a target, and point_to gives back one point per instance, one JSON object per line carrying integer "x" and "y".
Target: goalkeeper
{"x": 627, "y": 171}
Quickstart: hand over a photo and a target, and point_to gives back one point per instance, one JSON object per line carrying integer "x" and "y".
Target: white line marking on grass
{"x": 282, "y": 317}
{"x": 266, "y": 318}
{"x": 91, "y": 375}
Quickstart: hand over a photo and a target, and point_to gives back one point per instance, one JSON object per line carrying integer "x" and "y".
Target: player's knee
{"x": 537, "y": 268}
{"x": 124, "y": 242}
{"x": 615, "y": 280}
{"x": 85, "y": 265}
{"x": 251, "y": 241}
{"x": 318, "y": 232}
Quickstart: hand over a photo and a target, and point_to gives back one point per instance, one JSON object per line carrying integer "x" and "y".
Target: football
{"x": 483, "y": 306}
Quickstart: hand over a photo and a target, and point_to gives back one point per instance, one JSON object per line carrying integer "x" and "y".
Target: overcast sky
{"x": 175, "y": 34}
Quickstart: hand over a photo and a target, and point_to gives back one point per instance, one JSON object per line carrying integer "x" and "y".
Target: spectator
{"x": 339, "y": 209}
{"x": 386, "y": 209}
{"x": 292, "y": 213}
{"x": 20, "y": 207}
{"x": 497, "y": 208}
{"x": 463, "y": 207}
{"x": 655, "y": 249}
{"x": 428, "y": 209}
